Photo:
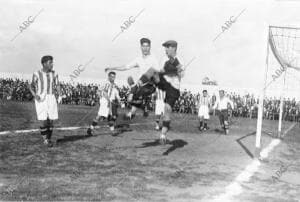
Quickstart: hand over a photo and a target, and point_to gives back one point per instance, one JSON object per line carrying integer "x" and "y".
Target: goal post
{"x": 282, "y": 55}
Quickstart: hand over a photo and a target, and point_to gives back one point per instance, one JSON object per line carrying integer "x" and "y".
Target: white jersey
{"x": 222, "y": 104}
{"x": 142, "y": 64}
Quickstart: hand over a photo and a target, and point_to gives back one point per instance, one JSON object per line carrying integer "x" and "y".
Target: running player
{"x": 109, "y": 99}
{"x": 141, "y": 64}
{"x": 168, "y": 80}
{"x": 203, "y": 113}
{"x": 45, "y": 90}
{"x": 221, "y": 105}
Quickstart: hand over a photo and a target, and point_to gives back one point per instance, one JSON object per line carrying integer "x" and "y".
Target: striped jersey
{"x": 160, "y": 95}
{"x": 45, "y": 82}
{"x": 111, "y": 91}
{"x": 204, "y": 101}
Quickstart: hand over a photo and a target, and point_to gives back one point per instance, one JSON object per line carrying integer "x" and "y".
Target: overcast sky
{"x": 75, "y": 31}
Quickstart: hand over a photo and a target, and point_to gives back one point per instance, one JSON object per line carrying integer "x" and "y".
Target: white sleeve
{"x": 132, "y": 64}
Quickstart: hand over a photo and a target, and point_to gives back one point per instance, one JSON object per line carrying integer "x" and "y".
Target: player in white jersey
{"x": 159, "y": 106}
{"x": 45, "y": 89}
{"x": 203, "y": 112}
{"x": 109, "y": 99}
{"x": 221, "y": 105}
{"x": 140, "y": 64}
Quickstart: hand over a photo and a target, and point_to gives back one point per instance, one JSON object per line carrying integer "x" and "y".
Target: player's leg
{"x": 226, "y": 123}
{"x": 146, "y": 84}
{"x": 95, "y": 122}
{"x": 201, "y": 123}
{"x": 44, "y": 132}
{"x": 157, "y": 121}
{"x": 205, "y": 119}
{"x": 112, "y": 118}
{"x": 172, "y": 94}
{"x": 159, "y": 111}
{"x": 221, "y": 119}
{"x": 166, "y": 123}
{"x": 49, "y": 131}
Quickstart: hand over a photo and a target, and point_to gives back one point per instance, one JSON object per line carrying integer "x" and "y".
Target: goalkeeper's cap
{"x": 170, "y": 43}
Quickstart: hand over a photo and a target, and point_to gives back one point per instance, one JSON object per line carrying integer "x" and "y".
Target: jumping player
{"x": 221, "y": 105}
{"x": 168, "y": 80}
{"x": 140, "y": 64}
{"x": 45, "y": 90}
{"x": 109, "y": 99}
{"x": 203, "y": 113}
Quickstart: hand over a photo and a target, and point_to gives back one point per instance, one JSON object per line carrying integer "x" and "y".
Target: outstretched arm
{"x": 129, "y": 66}
{"x": 121, "y": 68}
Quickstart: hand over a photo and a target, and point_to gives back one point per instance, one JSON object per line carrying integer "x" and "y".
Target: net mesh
{"x": 285, "y": 46}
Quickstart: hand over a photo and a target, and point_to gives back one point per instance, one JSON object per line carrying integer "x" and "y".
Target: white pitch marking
{"x": 62, "y": 128}
{"x": 235, "y": 188}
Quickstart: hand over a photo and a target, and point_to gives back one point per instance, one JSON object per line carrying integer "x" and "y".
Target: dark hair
{"x": 145, "y": 40}
{"x": 46, "y": 58}
{"x": 204, "y": 91}
{"x": 112, "y": 73}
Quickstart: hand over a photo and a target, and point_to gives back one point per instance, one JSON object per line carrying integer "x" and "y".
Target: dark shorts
{"x": 172, "y": 94}
{"x": 223, "y": 115}
{"x": 142, "y": 94}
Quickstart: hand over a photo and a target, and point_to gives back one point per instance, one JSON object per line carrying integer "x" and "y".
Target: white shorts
{"x": 159, "y": 107}
{"x": 104, "y": 108}
{"x": 46, "y": 108}
{"x": 203, "y": 112}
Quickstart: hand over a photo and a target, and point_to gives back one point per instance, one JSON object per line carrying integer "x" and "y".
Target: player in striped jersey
{"x": 45, "y": 90}
{"x": 109, "y": 99}
{"x": 203, "y": 113}
{"x": 159, "y": 106}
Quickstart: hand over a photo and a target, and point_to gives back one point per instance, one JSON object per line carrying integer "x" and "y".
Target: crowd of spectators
{"x": 86, "y": 94}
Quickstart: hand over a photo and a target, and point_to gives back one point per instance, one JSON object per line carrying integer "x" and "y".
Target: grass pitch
{"x": 132, "y": 166}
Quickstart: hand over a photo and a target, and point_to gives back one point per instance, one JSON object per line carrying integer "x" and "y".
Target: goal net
{"x": 279, "y": 106}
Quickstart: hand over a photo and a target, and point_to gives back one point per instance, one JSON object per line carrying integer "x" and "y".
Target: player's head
{"x": 221, "y": 93}
{"x": 204, "y": 93}
{"x": 130, "y": 81}
{"x": 170, "y": 48}
{"x": 47, "y": 62}
{"x": 112, "y": 77}
{"x": 145, "y": 46}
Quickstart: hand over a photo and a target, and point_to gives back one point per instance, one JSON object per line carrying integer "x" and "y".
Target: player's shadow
{"x": 71, "y": 138}
{"x": 243, "y": 146}
{"x": 217, "y": 130}
{"x": 121, "y": 128}
{"x": 175, "y": 144}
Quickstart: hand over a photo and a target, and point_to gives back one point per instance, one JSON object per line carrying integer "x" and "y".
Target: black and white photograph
{"x": 150, "y": 101}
